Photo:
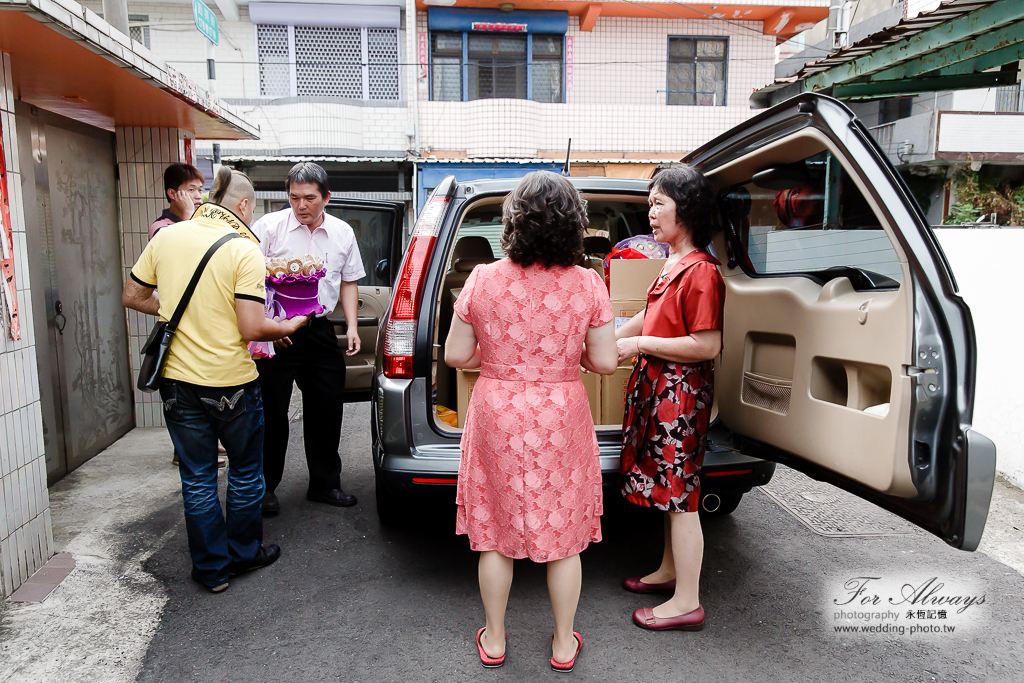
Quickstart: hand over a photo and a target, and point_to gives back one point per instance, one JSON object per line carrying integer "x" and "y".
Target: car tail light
{"x": 400, "y": 332}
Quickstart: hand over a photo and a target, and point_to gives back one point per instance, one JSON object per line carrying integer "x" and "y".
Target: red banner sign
{"x": 495, "y": 26}
{"x": 8, "y": 291}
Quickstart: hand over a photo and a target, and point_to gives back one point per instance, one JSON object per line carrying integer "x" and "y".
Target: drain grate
{"x": 830, "y": 511}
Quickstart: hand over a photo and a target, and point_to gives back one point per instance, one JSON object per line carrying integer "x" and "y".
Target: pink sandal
{"x": 490, "y": 662}
{"x": 566, "y": 667}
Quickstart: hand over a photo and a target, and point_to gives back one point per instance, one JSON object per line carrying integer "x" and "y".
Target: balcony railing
{"x": 1010, "y": 99}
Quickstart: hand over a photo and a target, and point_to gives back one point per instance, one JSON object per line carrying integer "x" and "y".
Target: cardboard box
{"x": 464, "y": 383}
{"x": 625, "y": 309}
{"x": 613, "y": 395}
{"x": 631, "y": 278}
{"x": 592, "y": 383}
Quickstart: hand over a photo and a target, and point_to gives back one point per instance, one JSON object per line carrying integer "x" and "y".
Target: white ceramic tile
{"x": 19, "y": 440}
{"x": 40, "y": 446}
{"x": 15, "y": 165}
{"x": 48, "y": 529}
{"x": 3, "y": 83}
{"x": 20, "y": 497}
{"x": 5, "y": 567}
{"x": 32, "y": 488}
{"x": 18, "y": 566}
{"x": 4, "y": 531}
{"x": 12, "y": 503}
{"x": 8, "y": 129}
{"x": 5, "y": 448}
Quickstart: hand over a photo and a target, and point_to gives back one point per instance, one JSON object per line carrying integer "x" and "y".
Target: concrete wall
{"x": 26, "y": 536}
{"x": 996, "y": 298}
{"x": 142, "y": 156}
{"x": 296, "y": 126}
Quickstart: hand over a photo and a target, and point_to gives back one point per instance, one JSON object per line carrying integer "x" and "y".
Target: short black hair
{"x": 695, "y": 202}
{"x": 308, "y": 172}
{"x": 545, "y": 219}
{"x": 177, "y": 175}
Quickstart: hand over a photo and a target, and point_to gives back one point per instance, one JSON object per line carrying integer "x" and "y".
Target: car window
{"x": 612, "y": 220}
{"x": 372, "y": 228}
{"x": 490, "y": 231}
{"x": 810, "y": 218}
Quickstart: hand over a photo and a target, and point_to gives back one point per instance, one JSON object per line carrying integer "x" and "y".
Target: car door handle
{"x": 368, "y": 322}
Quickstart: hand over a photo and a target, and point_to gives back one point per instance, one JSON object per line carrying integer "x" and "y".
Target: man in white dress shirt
{"x": 310, "y": 357}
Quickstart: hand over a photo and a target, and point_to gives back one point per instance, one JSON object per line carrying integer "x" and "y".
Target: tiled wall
{"x": 617, "y": 103}
{"x": 26, "y": 538}
{"x": 142, "y": 156}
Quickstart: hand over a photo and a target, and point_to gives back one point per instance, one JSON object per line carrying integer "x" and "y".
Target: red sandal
{"x": 488, "y": 662}
{"x": 566, "y": 667}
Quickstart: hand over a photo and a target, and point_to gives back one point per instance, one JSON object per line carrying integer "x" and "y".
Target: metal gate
{"x": 70, "y": 191}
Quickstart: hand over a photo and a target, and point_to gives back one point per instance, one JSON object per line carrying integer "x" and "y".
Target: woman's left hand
{"x": 628, "y": 348}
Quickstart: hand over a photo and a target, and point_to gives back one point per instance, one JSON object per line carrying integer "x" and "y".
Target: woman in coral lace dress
{"x": 669, "y": 395}
{"x": 530, "y": 479}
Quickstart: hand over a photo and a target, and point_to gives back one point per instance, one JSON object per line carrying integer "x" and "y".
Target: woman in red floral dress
{"x": 669, "y": 396}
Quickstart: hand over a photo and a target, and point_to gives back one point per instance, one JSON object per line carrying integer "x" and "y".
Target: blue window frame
{"x": 479, "y": 65}
{"x": 697, "y": 70}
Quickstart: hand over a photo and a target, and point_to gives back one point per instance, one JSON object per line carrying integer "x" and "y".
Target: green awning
{"x": 960, "y": 45}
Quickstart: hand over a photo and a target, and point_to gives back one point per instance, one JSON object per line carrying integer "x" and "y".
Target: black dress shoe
{"x": 270, "y": 506}
{"x": 336, "y": 497}
{"x": 265, "y": 556}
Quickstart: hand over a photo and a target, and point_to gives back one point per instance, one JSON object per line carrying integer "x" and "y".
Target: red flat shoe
{"x": 566, "y": 667}
{"x": 488, "y": 662}
{"x": 691, "y": 621}
{"x": 634, "y": 585}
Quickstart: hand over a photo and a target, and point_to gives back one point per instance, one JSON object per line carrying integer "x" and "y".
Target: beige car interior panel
{"x": 373, "y": 303}
{"x": 809, "y": 368}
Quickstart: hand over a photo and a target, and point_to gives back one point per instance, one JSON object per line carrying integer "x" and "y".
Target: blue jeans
{"x": 196, "y": 418}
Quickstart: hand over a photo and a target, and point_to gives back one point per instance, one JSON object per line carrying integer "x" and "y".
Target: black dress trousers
{"x": 316, "y": 363}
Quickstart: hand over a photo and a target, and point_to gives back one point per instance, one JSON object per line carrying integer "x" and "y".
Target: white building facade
{"x": 407, "y": 87}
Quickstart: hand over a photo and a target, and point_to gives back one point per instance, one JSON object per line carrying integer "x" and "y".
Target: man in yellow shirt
{"x": 210, "y": 386}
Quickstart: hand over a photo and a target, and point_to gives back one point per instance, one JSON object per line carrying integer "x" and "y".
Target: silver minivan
{"x": 847, "y": 352}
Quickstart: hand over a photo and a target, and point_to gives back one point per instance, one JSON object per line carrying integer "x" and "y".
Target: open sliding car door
{"x": 847, "y": 353}
{"x": 378, "y": 230}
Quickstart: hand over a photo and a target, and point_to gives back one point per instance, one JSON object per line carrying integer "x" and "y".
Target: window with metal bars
{"x": 476, "y": 66}
{"x": 446, "y": 66}
{"x": 328, "y": 61}
{"x": 139, "y": 34}
{"x": 697, "y": 71}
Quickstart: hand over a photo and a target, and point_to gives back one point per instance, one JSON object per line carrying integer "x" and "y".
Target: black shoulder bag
{"x": 157, "y": 347}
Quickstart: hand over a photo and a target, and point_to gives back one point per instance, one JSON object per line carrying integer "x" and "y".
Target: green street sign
{"x": 206, "y": 21}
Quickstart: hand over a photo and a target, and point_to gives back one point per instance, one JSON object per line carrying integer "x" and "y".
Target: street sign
{"x": 206, "y": 21}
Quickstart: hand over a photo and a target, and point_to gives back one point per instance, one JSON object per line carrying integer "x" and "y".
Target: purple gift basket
{"x": 295, "y": 294}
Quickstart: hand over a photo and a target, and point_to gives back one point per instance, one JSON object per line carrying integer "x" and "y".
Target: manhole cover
{"x": 830, "y": 511}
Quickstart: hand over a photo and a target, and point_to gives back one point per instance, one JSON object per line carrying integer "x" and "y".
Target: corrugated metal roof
{"x": 951, "y": 9}
{"x": 946, "y": 11}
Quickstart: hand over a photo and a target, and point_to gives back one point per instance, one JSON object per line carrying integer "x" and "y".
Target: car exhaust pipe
{"x": 710, "y": 502}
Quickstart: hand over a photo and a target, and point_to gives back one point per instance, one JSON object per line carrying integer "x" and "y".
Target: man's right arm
{"x": 138, "y": 294}
{"x": 254, "y": 325}
{"x": 140, "y": 298}
{"x": 250, "y": 294}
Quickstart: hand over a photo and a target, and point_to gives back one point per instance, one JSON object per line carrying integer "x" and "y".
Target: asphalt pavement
{"x": 350, "y": 600}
